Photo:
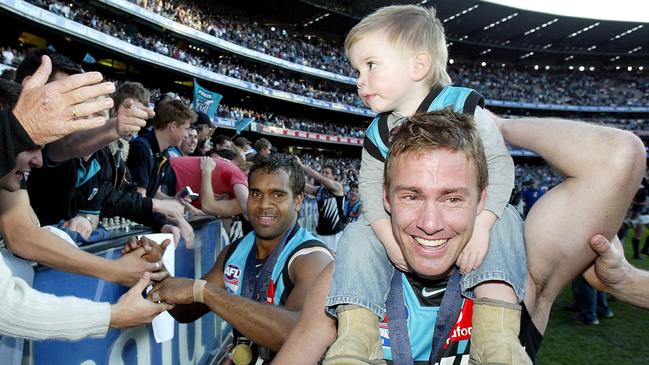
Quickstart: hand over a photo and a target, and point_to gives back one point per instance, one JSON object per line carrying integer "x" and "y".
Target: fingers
{"x": 42, "y": 74}
{"x": 600, "y": 244}
{"x": 162, "y": 307}
{"x": 82, "y": 124}
{"x": 159, "y": 275}
{"x": 80, "y": 80}
{"x": 164, "y": 244}
{"x": 154, "y": 266}
{"x": 90, "y": 107}
{"x": 128, "y": 103}
{"x": 142, "y": 283}
{"x": 145, "y": 242}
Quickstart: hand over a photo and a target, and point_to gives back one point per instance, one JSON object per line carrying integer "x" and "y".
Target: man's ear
{"x": 483, "y": 199}
{"x": 386, "y": 200}
{"x": 421, "y": 63}
{"x": 298, "y": 202}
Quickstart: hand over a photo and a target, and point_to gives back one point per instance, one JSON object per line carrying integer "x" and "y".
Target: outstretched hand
{"x": 131, "y": 118}
{"x": 50, "y": 111}
{"x": 132, "y": 309}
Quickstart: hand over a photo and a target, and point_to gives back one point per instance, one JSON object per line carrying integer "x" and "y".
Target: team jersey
{"x": 422, "y": 300}
{"x": 330, "y": 212}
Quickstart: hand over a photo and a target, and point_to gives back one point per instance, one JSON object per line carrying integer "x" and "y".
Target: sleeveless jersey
{"x": 460, "y": 99}
{"x": 278, "y": 292}
{"x": 421, "y": 317}
{"x": 330, "y": 212}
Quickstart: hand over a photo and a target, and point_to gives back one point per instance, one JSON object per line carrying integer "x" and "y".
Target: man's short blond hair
{"x": 443, "y": 129}
{"x": 411, "y": 28}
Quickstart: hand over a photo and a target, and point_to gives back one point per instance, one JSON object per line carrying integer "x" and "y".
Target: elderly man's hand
{"x": 131, "y": 118}
{"x": 50, "y": 111}
{"x": 174, "y": 291}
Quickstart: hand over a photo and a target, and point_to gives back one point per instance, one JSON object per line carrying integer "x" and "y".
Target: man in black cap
{"x": 205, "y": 129}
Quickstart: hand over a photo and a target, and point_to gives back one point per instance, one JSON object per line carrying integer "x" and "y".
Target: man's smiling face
{"x": 433, "y": 200}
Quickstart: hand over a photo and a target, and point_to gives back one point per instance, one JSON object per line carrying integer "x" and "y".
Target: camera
{"x": 187, "y": 192}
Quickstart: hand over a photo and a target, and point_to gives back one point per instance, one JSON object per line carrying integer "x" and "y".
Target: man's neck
{"x": 265, "y": 247}
{"x": 161, "y": 137}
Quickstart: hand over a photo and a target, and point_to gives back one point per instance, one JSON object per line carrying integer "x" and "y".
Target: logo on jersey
{"x": 462, "y": 328}
{"x": 425, "y": 292}
{"x": 384, "y": 328}
{"x": 231, "y": 274}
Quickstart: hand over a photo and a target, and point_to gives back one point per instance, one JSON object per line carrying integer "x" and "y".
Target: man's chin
{"x": 427, "y": 271}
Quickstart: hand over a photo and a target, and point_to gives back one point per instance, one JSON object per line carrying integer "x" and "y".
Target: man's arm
{"x": 334, "y": 186}
{"x": 603, "y": 168}
{"x": 221, "y": 208}
{"x": 267, "y": 325}
{"x": 613, "y": 274}
{"x": 27, "y": 240}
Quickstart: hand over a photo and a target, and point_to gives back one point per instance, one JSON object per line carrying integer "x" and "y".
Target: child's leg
{"x": 359, "y": 299}
{"x": 360, "y": 252}
{"x": 497, "y": 287}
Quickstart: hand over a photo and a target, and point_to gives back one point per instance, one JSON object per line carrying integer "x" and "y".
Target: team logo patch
{"x": 231, "y": 274}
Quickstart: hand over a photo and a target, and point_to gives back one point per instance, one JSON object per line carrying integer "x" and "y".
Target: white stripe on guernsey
{"x": 308, "y": 250}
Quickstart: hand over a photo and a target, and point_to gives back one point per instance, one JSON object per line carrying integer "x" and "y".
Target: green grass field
{"x": 621, "y": 340}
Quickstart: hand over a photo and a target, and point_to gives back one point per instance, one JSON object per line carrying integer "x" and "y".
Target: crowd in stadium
{"x": 619, "y": 88}
{"x": 161, "y": 162}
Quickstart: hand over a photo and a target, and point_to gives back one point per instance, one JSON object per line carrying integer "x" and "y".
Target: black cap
{"x": 202, "y": 119}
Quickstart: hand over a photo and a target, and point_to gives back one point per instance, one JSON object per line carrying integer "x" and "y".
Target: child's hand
{"x": 396, "y": 256}
{"x": 474, "y": 251}
{"x": 383, "y": 231}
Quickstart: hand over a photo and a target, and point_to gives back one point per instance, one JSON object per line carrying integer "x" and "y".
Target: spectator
{"x": 148, "y": 161}
{"x": 263, "y": 147}
{"x": 190, "y": 142}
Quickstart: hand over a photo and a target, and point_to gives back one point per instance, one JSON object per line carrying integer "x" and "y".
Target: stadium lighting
{"x": 617, "y": 67}
{"x": 591, "y": 68}
{"x": 483, "y": 64}
{"x": 503, "y": 65}
{"x": 451, "y": 61}
{"x": 571, "y": 68}
{"x": 509, "y": 17}
{"x": 622, "y": 10}
{"x": 536, "y": 67}
{"x": 630, "y": 68}
{"x": 463, "y": 12}
{"x": 547, "y": 67}
{"x": 582, "y": 68}
{"x": 640, "y": 68}
{"x": 272, "y": 29}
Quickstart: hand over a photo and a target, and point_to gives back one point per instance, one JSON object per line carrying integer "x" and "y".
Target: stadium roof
{"x": 481, "y": 30}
